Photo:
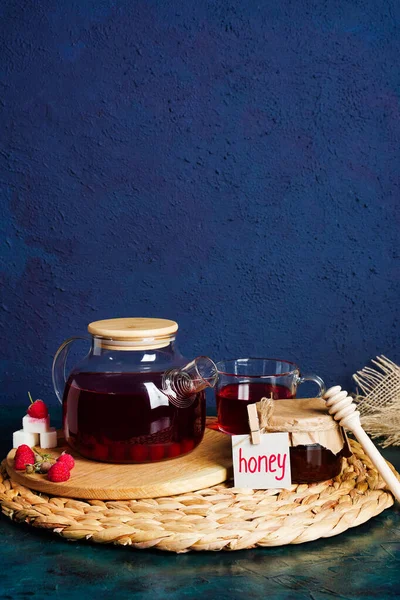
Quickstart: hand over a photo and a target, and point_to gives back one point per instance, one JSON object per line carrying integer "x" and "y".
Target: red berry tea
{"x": 233, "y": 399}
{"x": 125, "y": 418}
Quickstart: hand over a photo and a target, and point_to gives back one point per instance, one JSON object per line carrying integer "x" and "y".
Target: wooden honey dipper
{"x": 343, "y": 409}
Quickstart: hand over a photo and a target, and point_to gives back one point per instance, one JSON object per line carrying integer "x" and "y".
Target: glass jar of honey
{"x": 317, "y": 442}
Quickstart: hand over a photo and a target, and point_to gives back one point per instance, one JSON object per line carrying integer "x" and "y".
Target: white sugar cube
{"x": 32, "y": 425}
{"x": 48, "y": 439}
{"x": 25, "y": 437}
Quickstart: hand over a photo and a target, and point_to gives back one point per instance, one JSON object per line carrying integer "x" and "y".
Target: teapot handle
{"x": 59, "y": 362}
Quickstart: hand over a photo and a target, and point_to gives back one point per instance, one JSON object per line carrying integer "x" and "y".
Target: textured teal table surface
{"x": 362, "y": 563}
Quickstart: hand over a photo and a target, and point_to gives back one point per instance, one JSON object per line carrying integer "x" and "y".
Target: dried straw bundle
{"x": 379, "y": 405}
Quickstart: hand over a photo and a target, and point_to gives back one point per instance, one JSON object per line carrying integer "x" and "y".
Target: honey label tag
{"x": 262, "y": 466}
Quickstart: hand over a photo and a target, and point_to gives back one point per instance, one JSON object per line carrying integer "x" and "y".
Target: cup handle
{"x": 59, "y": 363}
{"x": 311, "y": 377}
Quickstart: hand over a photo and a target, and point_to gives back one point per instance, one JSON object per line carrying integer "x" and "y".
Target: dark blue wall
{"x": 232, "y": 165}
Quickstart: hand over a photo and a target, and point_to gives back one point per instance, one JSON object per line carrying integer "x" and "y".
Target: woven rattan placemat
{"x": 216, "y": 518}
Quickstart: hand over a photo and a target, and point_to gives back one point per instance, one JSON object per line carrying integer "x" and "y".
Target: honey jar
{"x": 317, "y": 442}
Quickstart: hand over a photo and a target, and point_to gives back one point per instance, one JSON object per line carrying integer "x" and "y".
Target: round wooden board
{"x": 209, "y": 464}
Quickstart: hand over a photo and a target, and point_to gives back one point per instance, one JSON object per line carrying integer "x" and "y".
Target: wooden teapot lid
{"x": 139, "y": 329}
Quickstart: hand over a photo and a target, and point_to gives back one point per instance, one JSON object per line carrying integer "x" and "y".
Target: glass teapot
{"x": 133, "y": 398}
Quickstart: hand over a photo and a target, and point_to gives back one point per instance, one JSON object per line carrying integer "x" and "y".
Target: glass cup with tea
{"x": 244, "y": 381}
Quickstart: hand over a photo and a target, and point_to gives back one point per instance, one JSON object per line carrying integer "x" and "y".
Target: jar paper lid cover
{"x": 305, "y": 419}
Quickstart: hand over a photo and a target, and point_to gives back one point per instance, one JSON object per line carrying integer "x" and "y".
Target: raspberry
{"x": 174, "y": 450}
{"x": 138, "y": 452}
{"x": 117, "y": 452}
{"x": 24, "y": 449}
{"x": 38, "y": 410}
{"x": 99, "y": 452}
{"x": 58, "y": 472}
{"x": 67, "y": 459}
{"x": 20, "y": 463}
{"x": 187, "y": 446}
{"x": 23, "y": 456}
{"x": 156, "y": 452}
{"x": 88, "y": 440}
{"x": 103, "y": 439}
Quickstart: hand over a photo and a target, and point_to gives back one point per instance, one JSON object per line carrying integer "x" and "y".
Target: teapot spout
{"x": 181, "y": 385}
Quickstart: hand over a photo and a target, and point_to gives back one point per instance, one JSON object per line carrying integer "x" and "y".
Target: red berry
{"x": 38, "y": 410}
{"x": 88, "y": 440}
{"x": 156, "y": 452}
{"x": 174, "y": 450}
{"x": 21, "y": 462}
{"x": 103, "y": 439}
{"x": 138, "y": 452}
{"x": 67, "y": 459}
{"x": 58, "y": 472}
{"x": 187, "y": 446}
{"x": 24, "y": 449}
{"x": 100, "y": 452}
{"x": 117, "y": 452}
{"x": 23, "y": 456}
